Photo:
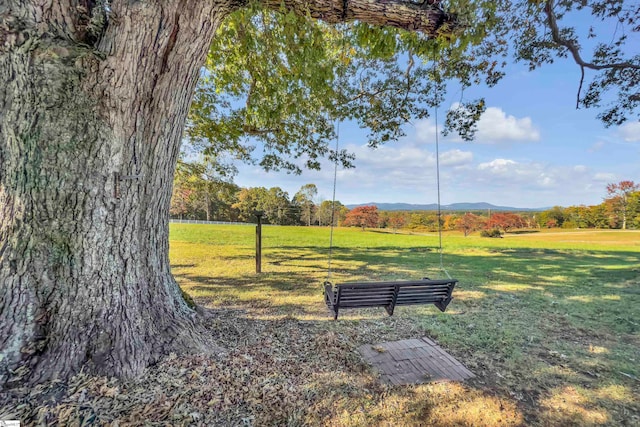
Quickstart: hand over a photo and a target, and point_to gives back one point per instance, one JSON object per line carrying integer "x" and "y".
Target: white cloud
{"x": 456, "y": 158}
{"x": 604, "y": 177}
{"x": 392, "y": 171}
{"x": 498, "y": 166}
{"x": 496, "y": 126}
{"x": 508, "y": 173}
{"x": 522, "y": 178}
{"x": 414, "y": 161}
{"x": 630, "y": 131}
{"x": 400, "y": 173}
{"x": 545, "y": 180}
{"x": 426, "y": 131}
{"x": 596, "y": 146}
{"x": 391, "y": 157}
{"x": 405, "y": 172}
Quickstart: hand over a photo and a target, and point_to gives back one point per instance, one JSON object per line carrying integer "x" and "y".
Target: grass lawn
{"x": 549, "y": 322}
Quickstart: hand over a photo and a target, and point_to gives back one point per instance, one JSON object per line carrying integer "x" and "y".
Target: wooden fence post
{"x": 259, "y": 242}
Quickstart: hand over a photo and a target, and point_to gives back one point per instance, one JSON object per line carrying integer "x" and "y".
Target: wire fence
{"x": 199, "y": 221}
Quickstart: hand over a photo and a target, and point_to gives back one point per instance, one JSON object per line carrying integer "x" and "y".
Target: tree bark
{"x": 93, "y": 100}
{"x": 427, "y": 17}
{"x": 207, "y": 204}
{"x": 90, "y": 137}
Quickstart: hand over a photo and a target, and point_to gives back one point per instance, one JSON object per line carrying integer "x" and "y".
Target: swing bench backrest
{"x": 389, "y": 294}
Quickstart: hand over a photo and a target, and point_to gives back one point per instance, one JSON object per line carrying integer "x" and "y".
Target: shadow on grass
{"x": 536, "y": 325}
{"x": 585, "y": 286}
{"x": 558, "y": 394}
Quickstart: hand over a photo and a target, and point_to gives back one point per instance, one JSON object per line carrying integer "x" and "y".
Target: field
{"x": 549, "y": 321}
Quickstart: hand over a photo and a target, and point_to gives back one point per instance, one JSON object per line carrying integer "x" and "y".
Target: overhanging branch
{"x": 427, "y": 18}
{"x": 574, "y": 49}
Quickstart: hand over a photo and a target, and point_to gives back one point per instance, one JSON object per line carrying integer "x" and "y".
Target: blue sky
{"x": 533, "y": 149}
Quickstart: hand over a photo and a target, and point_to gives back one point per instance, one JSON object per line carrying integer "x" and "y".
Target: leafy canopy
{"x": 285, "y": 79}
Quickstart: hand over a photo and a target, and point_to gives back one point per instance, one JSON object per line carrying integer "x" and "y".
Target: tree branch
{"x": 426, "y": 18}
{"x": 580, "y": 87}
{"x": 572, "y": 47}
{"x": 575, "y": 49}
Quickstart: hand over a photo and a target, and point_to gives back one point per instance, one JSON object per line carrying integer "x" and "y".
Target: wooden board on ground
{"x": 413, "y": 361}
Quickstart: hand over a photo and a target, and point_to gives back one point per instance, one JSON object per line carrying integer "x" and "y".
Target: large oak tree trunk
{"x": 93, "y": 99}
{"x": 90, "y": 139}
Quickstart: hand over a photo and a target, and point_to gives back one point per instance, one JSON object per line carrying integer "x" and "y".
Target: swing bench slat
{"x": 388, "y": 294}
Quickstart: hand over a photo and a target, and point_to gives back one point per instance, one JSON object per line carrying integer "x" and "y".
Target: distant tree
{"x": 182, "y": 193}
{"x": 529, "y": 219}
{"x": 250, "y": 200}
{"x": 304, "y": 200}
{"x": 274, "y": 203}
{"x": 423, "y": 220}
{"x": 576, "y": 217}
{"x": 324, "y": 213}
{"x": 416, "y": 220}
{"x": 224, "y": 197}
{"x": 552, "y": 218}
{"x": 505, "y": 221}
{"x": 619, "y": 197}
{"x": 362, "y": 216}
{"x": 277, "y": 207}
{"x": 469, "y": 223}
{"x": 597, "y": 216}
{"x": 180, "y": 200}
{"x": 633, "y": 211}
{"x": 383, "y": 219}
{"x": 397, "y": 220}
{"x": 200, "y": 191}
{"x": 449, "y": 221}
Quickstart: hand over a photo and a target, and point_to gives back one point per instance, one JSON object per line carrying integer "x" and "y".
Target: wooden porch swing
{"x": 388, "y": 294}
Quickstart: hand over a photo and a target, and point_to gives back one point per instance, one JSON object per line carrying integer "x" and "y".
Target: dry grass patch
{"x": 275, "y": 372}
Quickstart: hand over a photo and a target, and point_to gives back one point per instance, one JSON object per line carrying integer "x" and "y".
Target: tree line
{"x": 200, "y": 192}
{"x": 203, "y": 194}
{"x": 620, "y": 209}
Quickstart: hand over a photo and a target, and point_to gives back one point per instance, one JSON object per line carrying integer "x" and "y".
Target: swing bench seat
{"x": 388, "y": 294}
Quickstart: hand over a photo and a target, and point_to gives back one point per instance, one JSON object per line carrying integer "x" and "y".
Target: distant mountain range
{"x": 452, "y": 207}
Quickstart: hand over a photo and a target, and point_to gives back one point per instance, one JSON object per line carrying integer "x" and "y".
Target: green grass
{"x": 549, "y": 321}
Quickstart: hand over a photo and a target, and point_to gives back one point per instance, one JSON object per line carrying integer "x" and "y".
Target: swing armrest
{"x": 329, "y": 296}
